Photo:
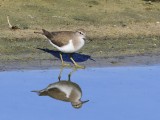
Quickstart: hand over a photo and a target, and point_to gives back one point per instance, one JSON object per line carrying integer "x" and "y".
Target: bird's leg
{"x": 69, "y": 75}
{"x": 63, "y": 64}
{"x": 60, "y": 74}
{"x": 75, "y": 64}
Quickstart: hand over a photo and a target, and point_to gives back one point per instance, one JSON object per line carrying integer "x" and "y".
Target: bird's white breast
{"x": 66, "y": 89}
{"x": 69, "y": 48}
{"x": 80, "y": 45}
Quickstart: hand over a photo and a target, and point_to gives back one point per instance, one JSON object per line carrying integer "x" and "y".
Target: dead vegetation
{"x": 115, "y": 28}
{"x": 12, "y": 27}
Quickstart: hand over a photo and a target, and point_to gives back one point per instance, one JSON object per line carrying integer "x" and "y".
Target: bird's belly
{"x": 78, "y": 47}
{"x": 69, "y": 48}
{"x": 66, "y": 89}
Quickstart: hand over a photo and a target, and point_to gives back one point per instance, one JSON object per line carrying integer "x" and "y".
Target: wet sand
{"x": 93, "y": 62}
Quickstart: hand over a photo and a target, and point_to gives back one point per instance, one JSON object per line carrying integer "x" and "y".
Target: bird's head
{"x": 78, "y": 104}
{"x": 81, "y": 33}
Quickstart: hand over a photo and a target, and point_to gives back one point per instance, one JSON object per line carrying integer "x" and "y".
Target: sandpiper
{"x": 65, "y": 91}
{"x": 66, "y": 42}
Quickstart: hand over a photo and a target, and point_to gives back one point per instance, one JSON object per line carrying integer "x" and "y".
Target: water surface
{"x": 115, "y": 93}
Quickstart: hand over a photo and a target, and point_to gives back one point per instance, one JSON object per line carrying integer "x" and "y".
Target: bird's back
{"x": 63, "y": 90}
{"x": 59, "y": 38}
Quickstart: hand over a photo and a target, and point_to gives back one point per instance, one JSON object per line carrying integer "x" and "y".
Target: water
{"x": 115, "y": 93}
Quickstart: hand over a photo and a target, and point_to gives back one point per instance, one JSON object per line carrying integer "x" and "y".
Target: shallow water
{"x": 115, "y": 93}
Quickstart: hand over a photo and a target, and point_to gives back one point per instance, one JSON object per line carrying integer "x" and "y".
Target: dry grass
{"x": 116, "y": 27}
{"x": 153, "y": 0}
{"x": 72, "y": 14}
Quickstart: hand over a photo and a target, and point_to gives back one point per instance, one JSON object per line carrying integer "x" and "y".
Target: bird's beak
{"x": 85, "y": 101}
{"x": 87, "y": 39}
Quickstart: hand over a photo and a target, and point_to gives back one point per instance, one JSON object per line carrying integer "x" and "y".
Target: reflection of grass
{"x": 115, "y": 27}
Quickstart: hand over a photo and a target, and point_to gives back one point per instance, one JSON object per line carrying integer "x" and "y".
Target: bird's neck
{"x": 78, "y": 44}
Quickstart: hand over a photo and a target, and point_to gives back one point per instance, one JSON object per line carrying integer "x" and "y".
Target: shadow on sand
{"x": 76, "y": 56}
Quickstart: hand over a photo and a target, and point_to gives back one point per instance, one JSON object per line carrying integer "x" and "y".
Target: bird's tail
{"x": 36, "y": 91}
{"x": 40, "y": 92}
{"x": 39, "y": 33}
{"x": 47, "y": 33}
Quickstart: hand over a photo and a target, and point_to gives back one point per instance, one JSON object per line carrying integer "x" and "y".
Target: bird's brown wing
{"x": 57, "y": 94}
{"x": 61, "y": 38}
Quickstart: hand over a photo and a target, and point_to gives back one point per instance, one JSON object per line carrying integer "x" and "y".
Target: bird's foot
{"x": 79, "y": 66}
{"x": 65, "y": 65}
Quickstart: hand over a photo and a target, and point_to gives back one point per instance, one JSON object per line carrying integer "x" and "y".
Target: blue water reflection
{"x": 115, "y": 93}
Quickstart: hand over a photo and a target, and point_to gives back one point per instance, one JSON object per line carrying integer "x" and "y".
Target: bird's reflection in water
{"x": 64, "y": 90}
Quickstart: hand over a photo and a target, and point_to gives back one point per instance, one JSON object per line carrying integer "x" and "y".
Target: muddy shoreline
{"x": 138, "y": 60}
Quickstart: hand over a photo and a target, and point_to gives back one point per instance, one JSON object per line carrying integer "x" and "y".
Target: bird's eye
{"x": 76, "y": 106}
{"x": 80, "y": 32}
